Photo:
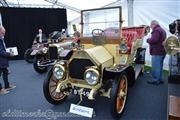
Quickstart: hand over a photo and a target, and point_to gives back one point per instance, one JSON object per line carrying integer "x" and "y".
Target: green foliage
{"x": 148, "y": 69}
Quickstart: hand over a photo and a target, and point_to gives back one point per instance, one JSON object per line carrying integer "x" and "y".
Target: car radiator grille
{"x": 77, "y": 67}
{"x": 53, "y": 53}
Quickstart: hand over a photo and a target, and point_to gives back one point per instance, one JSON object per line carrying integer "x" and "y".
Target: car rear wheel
{"x": 28, "y": 57}
{"x": 49, "y": 89}
{"x": 119, "y": 95}
{"x": 38, "y": 59}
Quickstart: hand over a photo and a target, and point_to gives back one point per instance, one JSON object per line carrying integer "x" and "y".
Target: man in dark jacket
{"x": 40, "y": 37}
{"x": 157, "y": 51}
{"x": 4, "y": 63}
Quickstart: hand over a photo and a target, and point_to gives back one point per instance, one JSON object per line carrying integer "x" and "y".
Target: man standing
{"x": 4, "y": 63}
{"x": 40, "y": 37}
{"x": 157, "y": 51}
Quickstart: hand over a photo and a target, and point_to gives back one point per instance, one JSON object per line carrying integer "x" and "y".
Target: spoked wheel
{"x": 37, "y": 60}
{"x": 28, "y": 57}
{"x": 49, "y": 88}
{"x": 119, "y": 95}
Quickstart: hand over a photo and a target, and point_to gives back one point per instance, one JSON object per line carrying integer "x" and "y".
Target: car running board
{"x": 47, "y": 63}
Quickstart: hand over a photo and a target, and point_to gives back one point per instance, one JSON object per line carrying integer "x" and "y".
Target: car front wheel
{"x": 28, "y": 57}
{"x": 49, "y": 89}
{"x": 39, "y": 69}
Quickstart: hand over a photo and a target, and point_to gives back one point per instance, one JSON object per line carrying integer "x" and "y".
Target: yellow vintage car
{"x": 108, "y": 61}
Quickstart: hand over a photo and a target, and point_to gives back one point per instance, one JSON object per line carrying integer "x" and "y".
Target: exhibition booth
{"x": 114, "y": 59}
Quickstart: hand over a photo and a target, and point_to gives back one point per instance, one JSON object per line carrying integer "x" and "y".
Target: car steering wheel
{"x": 98, "y": 32}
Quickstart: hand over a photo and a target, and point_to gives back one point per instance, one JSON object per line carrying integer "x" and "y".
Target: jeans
{"x": 5, "y": 77}
{"x": 157, "y": 66}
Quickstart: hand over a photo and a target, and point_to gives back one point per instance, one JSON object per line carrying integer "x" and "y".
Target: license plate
{"x": 78, "y": 92}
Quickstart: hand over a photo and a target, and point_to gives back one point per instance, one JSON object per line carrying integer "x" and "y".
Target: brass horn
{"x": 172, "y": 45}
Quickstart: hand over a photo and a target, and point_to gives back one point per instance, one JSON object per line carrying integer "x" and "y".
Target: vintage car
{"x": 37, "y": 46}
{"x": 172, "y": 47}
{"x": 30, "y": 53}
{"x": 48, "y": 56}
{"x": 103, "y": 65}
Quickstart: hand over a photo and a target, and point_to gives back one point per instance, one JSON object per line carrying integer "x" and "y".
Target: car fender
{"x": 111, "y": 73}
{"x": 66, "y": 54}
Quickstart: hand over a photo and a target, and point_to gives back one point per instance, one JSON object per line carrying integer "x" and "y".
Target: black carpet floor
{"x": 27, "y": 102}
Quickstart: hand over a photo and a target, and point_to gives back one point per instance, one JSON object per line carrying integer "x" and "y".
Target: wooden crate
{"x": 174, "y": 108}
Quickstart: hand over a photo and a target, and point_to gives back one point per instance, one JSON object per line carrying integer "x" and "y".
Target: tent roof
{"x": 79, "y": 4}
{"x": 73, "y": 6}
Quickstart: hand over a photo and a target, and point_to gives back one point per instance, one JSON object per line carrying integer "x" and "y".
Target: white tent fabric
{"x": 164, "y": 11}
{"x": 122, "y": 3}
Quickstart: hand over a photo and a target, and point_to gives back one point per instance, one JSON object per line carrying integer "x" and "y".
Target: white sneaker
{"x": 4, "y": 91}
{"x": 10, "y": 87}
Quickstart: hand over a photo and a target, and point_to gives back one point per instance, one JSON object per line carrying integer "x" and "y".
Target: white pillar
{"x": 130, "y": 12}
{"x": 87, "y": 26}
{"x": 0, "y": 20}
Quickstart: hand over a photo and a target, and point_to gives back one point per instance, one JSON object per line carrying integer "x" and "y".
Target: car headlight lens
{"x": 44, "y": 50}
{"x": 123, "y": 48}
{"x": 60, "y": 49}
{"x": 59, "y": 72}
{"x": 91, "y": 75}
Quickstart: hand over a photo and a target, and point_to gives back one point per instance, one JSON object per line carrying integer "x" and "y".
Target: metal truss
{"x": 55, "y": 2}
{"x": 4, "y": 3}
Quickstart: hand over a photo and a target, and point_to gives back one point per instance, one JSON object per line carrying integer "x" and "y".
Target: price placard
{"x": 81, "y": 110}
